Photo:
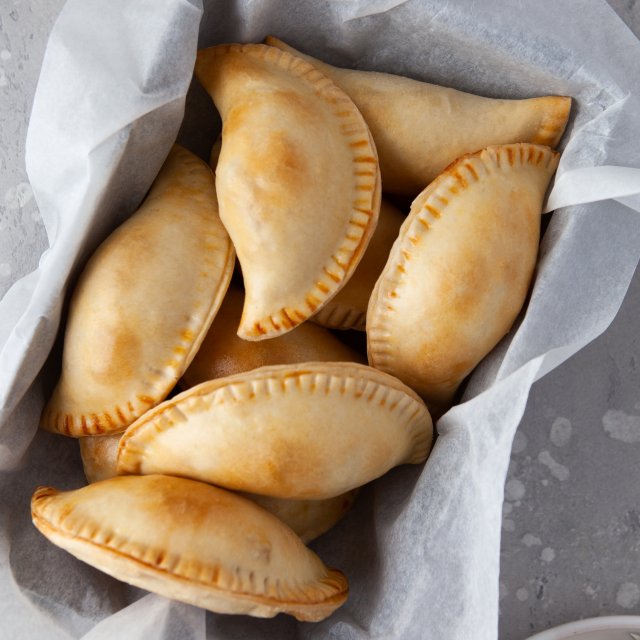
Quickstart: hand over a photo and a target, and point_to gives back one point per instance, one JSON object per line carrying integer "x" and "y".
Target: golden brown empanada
{"x": 460, "y": 270}
{"x": 143, "y": 304}
{"x": 297, "y": 180}
{"x": 420, "y": 128}
{"x": 99, "y": 456}
{"x": 307, "y": 518}
{"x": 220, "y": 552}
{"x": 306, "y": 431}
{"x": 224, "y": 354}
{"x": 348, "y": 309}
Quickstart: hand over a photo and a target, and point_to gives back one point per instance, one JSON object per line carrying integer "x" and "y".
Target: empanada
{"x": 307, "y": 518}
{"x": 143, "y": 304}
{"x": 191, "y": 542}
{"x": 306, "y": 431}
{"x": 222, "y": 353}
{"x": 99, "y": 456}
{"x": 297, "y": 179}
{"x": 420, "y": 128}
{"x": 460, "y": 270}
{"x": 348, "y": 309}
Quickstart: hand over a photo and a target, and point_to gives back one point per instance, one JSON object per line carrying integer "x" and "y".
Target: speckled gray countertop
{"x": 571, "y": 516}
{"x": 571, "y": 525}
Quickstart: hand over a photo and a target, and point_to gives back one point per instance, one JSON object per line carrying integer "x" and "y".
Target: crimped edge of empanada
{"x": 336, "y": 315}
{"x": 425, "y": 212}
{"x": 328, "y": 378}
{"x": 160, "y": 380}
{"x": 309, "y": 602}
{"x": 365, "y": 205}
{"x": 341, "y": 316}
{"x": 555, "y": 109}
{"x": 554, "y": 121}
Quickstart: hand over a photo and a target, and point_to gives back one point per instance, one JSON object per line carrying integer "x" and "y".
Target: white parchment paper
{"x": 421, "y": 547}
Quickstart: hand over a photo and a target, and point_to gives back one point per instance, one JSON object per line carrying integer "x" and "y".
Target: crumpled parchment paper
{"x": 421, "y": 547}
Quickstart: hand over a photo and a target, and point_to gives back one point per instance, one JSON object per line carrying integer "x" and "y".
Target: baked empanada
{"x": 460, "y": 270}
{"x": 297, "y": 179}
{"x": 348, "y": 309}
{"x": 305, "y": 431}
{"x": 420, "y": 128}
{"x": 191, "y": 542}
{"x": 222, "y": 353}
{"x": 307, "y": 518}
{"x": 99, "y": 456}
{"x": 143, "y": 304}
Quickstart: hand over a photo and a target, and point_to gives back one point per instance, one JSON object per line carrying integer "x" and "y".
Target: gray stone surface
{"x": 571, "y": 516}
{"x": 24, "y": 28}
{"x": 571, "y": 527}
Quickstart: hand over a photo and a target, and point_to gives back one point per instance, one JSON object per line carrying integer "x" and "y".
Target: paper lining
{"x": 421, "y": 549}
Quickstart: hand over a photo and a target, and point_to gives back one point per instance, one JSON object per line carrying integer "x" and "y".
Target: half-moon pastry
{"x": 306, "y": 431}
{"x": 307, "y": 518}
{"x": 348, "y": 309}
{"x": 220, "y": 552}
{"x": 143, "y": 304}
{"x": 460, "y": 270}
{"x": 223, "y": 353}
{"x": 99, "y": 456}
{"x": 420, "y": 128}
{"x": 297, "y": 179}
